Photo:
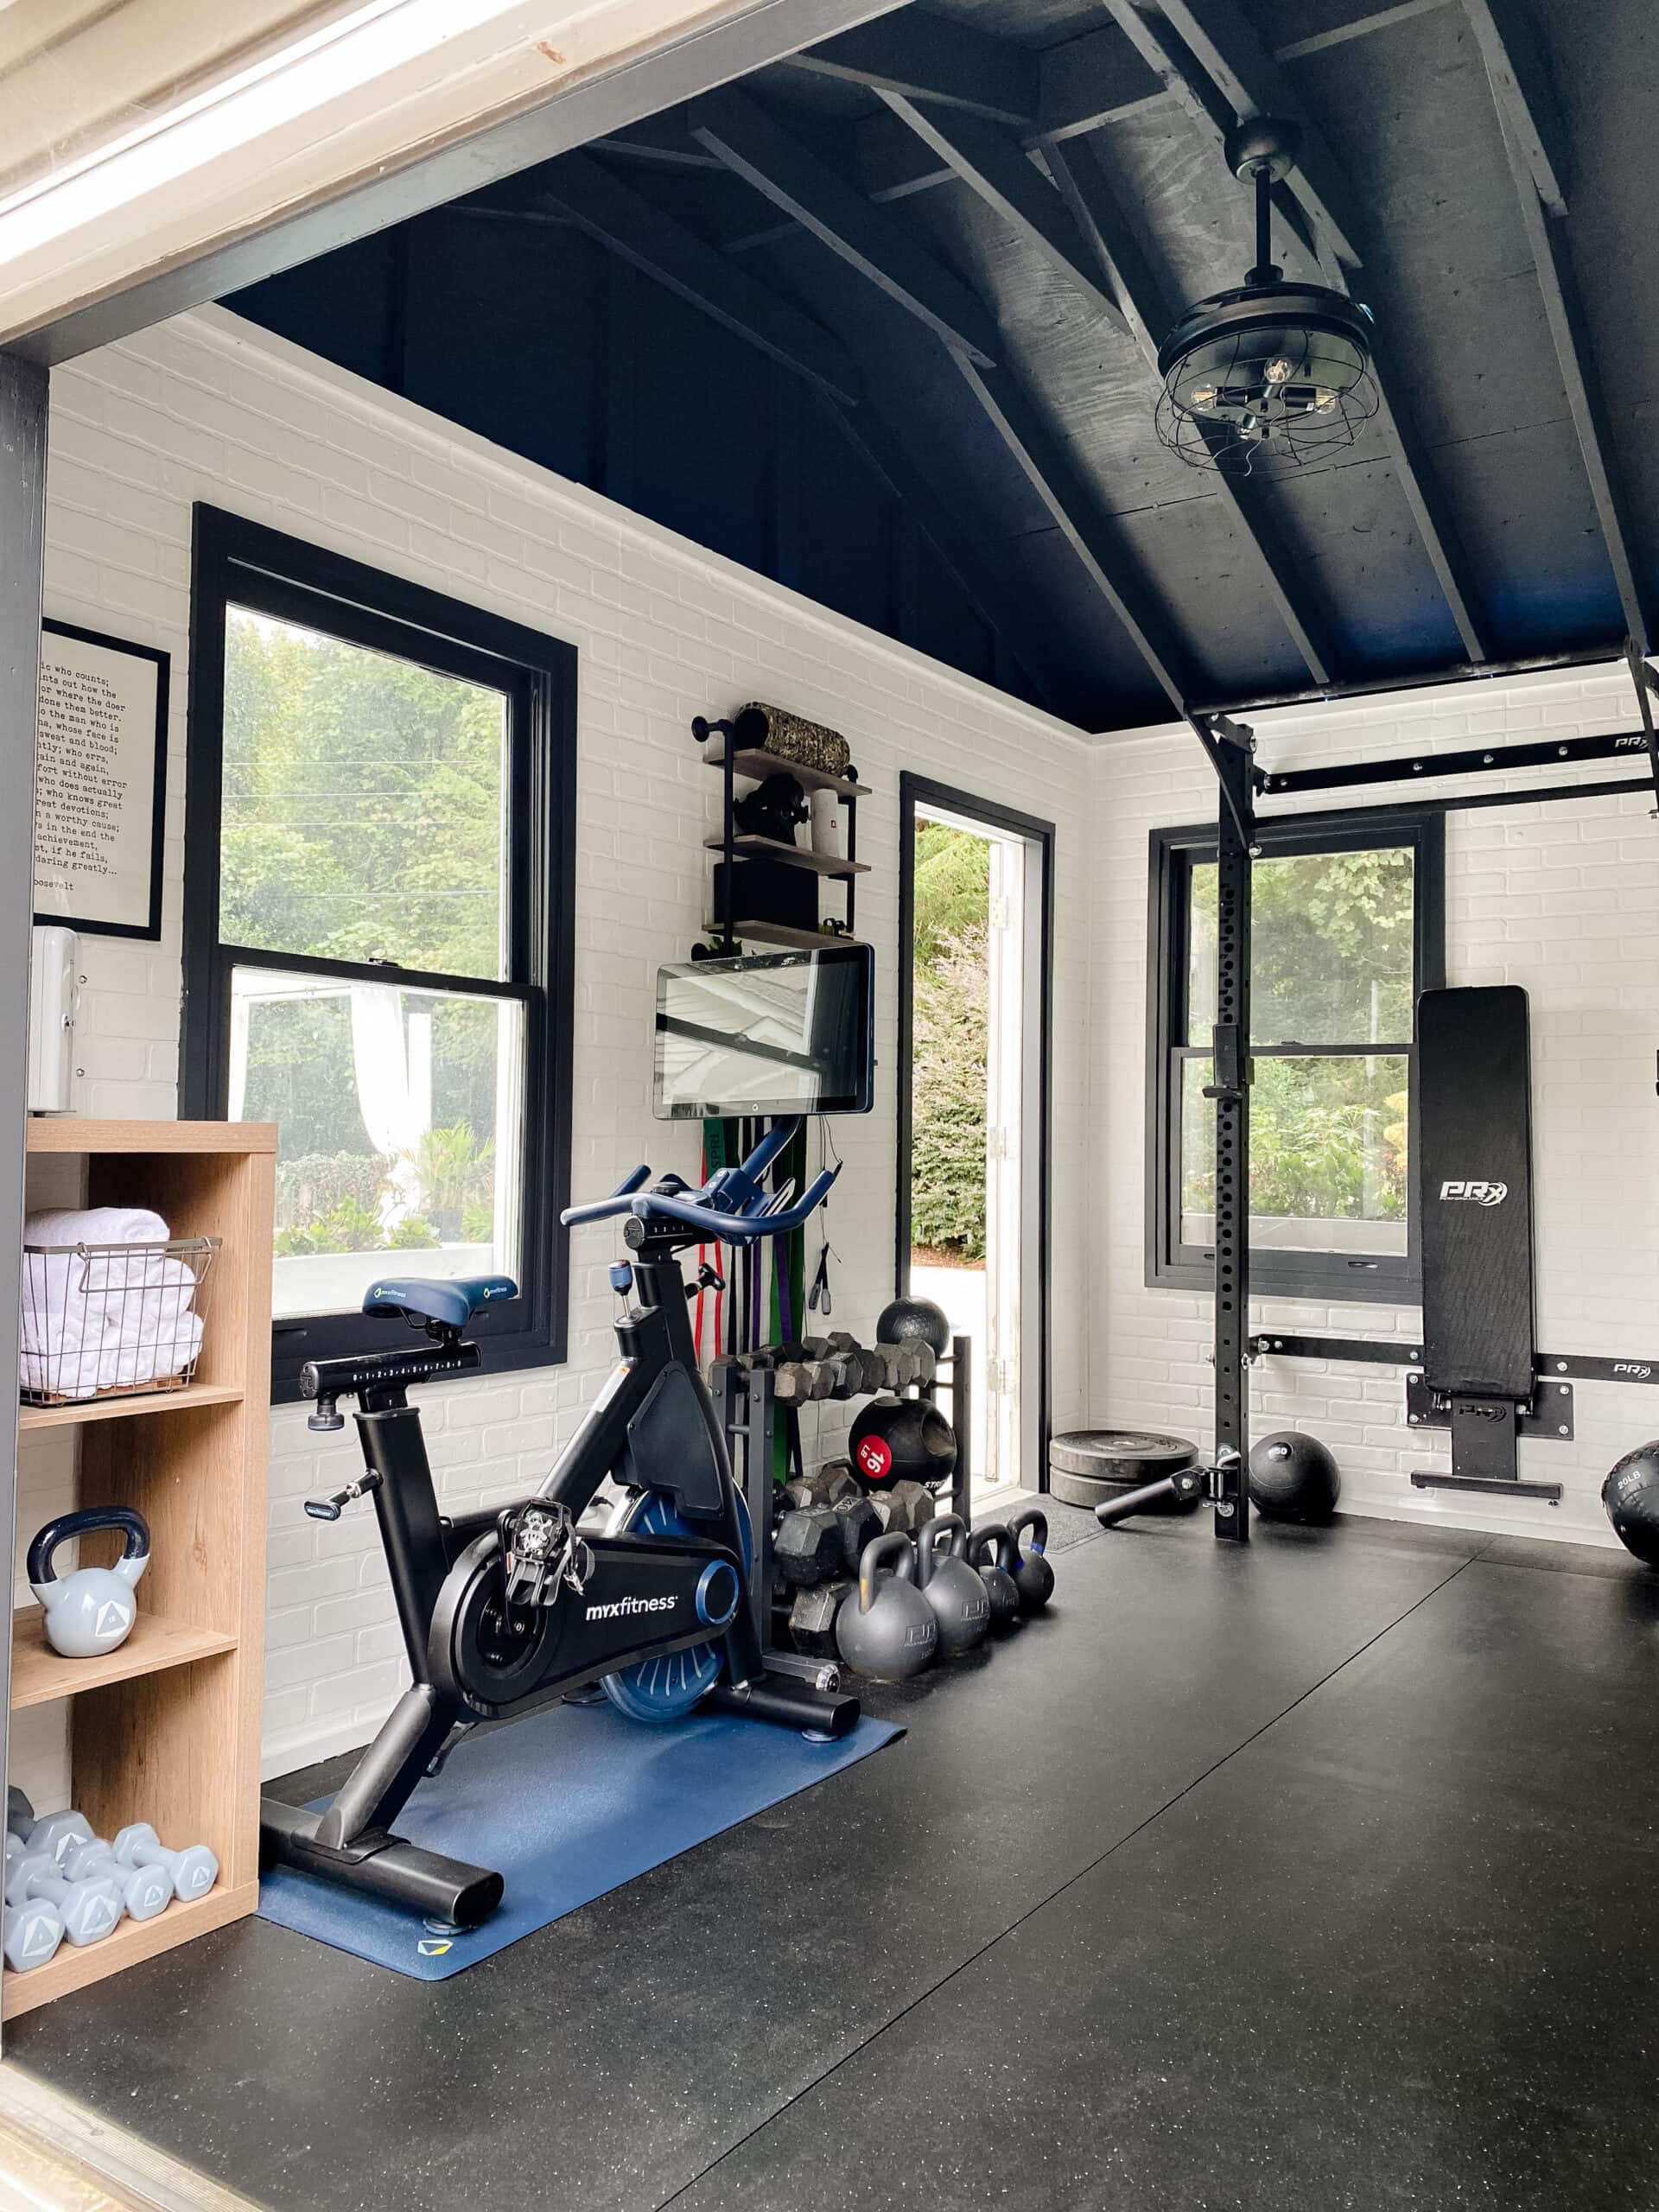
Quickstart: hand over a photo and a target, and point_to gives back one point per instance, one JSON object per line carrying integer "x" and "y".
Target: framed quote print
{"x": 100, "y": 783}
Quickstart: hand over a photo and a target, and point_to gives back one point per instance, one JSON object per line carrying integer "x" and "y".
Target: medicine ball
{"x": 1630, "y": 1494}
{"x": 902, "y": 1439}
{"x": 1294, "y": 1478}
{"x": 915, "y": 1319}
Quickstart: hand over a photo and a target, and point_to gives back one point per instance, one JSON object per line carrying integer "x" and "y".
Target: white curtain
{"x": 394, "y": 1098}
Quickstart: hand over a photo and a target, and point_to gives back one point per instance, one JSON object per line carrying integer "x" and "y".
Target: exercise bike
{"x": 502, "y": 1610}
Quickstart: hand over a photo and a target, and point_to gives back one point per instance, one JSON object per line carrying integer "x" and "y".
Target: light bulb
{"x": 1324, "y": 402}
{"x": 1277, "y": 371}
{"x": 1203, "y": 395}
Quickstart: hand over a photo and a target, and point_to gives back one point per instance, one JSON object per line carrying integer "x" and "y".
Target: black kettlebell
{"x": 886, "y": 1628}
{"x": 1032, "y": 1575}
{"x": 991, "y": 1552}
{"x": 951, "y": 1585}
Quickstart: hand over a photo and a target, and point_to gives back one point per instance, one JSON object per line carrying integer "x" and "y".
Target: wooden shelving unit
{"x": 770, "y": 848}
{"x": 167, "y": 1728}
{"x": 730, "y": 761}
{"x": 753, "y": 761}
{"x": 781, "y": 933}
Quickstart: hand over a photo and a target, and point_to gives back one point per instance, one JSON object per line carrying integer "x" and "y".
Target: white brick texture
{"x": 1560, "y": 899}
{"x": 210, "y": 409}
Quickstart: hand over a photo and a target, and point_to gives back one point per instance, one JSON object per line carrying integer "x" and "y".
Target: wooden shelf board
{"x": 751, "y": 761}
{"x": 770, "y": 848}
{"x": 116, "y": 1409}
{"x": 70, "y": 1133}
{"x": 781, "y": 933}
{"x": 76, "y": 1967}
{"x": 40, "y": 1675}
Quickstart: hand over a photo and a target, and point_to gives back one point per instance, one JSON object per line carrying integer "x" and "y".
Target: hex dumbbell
{"x": 193, "y": 1871}
{"x": 144, "y": 1891}
{"x": 57, "y": 1835}
{"x": 19, "y": 1814}
{"x": 33, "y": 1932}
{"x": 90, "y": 1911}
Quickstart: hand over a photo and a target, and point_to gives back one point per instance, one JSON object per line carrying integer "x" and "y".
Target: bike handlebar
{"x": 743, "y": 1223}
{"x": 738, "y": 1228}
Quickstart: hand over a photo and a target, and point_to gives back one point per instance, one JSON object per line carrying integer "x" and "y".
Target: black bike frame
{"x": 352, "y": 1840}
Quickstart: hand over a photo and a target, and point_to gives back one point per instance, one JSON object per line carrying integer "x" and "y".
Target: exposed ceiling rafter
{"x": 933, "y": 58}
{"x": 592, "y": 198}
{"x": 1122, "y": 252}
{"x": 745, "y": 137}
{"x": 871, "y": 244}
{"x": 993, "y": 164}
{"x": 1071, "y": 508}
{"x": 1254, "y": 75}
{"x": 1222, "y": 41}
{"x": 998, "y": 596}
{"x": 1563, "y": 309}
{"x": 1521, "y": 78}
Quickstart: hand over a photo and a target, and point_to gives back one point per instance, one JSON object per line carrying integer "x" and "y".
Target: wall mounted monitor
{"x": 773, "y": 1032}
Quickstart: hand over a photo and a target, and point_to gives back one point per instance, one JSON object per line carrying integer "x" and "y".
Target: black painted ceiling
{"x": 1479, "y": 171}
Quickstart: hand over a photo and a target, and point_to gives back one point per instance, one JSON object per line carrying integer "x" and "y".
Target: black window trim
{"x": 244, "y": 563}
{"x": 1373, "y": 1278}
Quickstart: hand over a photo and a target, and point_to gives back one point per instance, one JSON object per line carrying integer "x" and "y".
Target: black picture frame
{"x": 236, "y": 561}
{"x": 1360, "y": 1278}
{"x": 150, "y": 930}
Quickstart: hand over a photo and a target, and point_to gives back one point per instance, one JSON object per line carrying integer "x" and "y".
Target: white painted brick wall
{"x": 209, "y": 408}
{"x": 1561, "y": 899}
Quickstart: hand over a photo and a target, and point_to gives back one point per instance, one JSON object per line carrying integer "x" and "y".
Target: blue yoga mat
{"x": 566, "y": 1804}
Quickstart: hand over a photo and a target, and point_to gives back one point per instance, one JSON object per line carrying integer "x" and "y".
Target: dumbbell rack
{"x": 167, "y": 1728}
{"x": 748, "y": 1411}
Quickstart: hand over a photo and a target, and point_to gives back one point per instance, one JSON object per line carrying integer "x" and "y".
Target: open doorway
{"x": 973, "y": 1107}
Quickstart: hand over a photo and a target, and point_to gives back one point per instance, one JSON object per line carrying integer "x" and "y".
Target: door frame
{"x": 917, "y": 794}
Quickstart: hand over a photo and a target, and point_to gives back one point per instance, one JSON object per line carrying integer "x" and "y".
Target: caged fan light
{"x": 1272, "y": 373}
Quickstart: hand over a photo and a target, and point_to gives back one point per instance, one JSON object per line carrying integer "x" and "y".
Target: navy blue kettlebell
{"x": 1032, "y": 1575}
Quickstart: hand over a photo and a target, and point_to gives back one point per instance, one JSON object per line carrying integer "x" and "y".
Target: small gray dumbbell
{"x": 15, "y": 1847}
{"x": 144, "y": 1891}
{"x": 57, "y": 1833}
{"x": 193, "y": 1871}
{"x": 19, "y": 1814}
{"x": 32, "y": 1933}
{"x": 89, "y": 1910}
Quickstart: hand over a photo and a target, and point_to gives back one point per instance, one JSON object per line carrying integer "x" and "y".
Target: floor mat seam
{"x": 663, "y": 2205}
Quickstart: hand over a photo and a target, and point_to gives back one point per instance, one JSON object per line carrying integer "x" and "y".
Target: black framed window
{"x": 378, "y": 901}
{"x": 1348, "y": 928}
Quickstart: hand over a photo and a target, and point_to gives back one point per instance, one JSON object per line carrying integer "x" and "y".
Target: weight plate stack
{"x": 1088, "y": 1464}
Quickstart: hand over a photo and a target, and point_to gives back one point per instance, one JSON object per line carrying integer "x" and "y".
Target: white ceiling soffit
{"x": 138, "y": 133}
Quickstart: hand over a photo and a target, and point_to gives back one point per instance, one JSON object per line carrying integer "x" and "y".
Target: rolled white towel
{"x": 150, "y": 1359}
{"x": 56, "y": 1310}
{"x": 71, "y": 1373}
{"x": 95, "y": 1225}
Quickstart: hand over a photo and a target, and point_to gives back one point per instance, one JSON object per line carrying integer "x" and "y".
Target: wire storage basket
{"x": 112, "y": 1320}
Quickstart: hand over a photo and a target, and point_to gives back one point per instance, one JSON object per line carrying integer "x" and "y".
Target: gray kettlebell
{"x": 1032, "y": 1575}
{"x": 990, "y": 1551}
{"x": 951, "y": 1585}
{"x": 90, "y": 1611}
{"x": 886, "y": 1629}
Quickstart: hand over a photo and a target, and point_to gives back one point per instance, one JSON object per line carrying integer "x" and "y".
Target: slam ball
{"x": 1294, "y": 1478}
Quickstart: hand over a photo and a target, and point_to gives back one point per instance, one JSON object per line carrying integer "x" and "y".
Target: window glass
{"x": 1329, "y": 1147}
{"x": 1331, "y": 941}
{"x": 363, "y": 809}
{"x": 400, "y": 1130}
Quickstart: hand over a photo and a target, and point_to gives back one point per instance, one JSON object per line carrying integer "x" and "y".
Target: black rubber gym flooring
{"x": 1322, "y": 1875}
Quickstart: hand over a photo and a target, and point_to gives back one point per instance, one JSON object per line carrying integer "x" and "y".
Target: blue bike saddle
{"x": 428, "y": 1299}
